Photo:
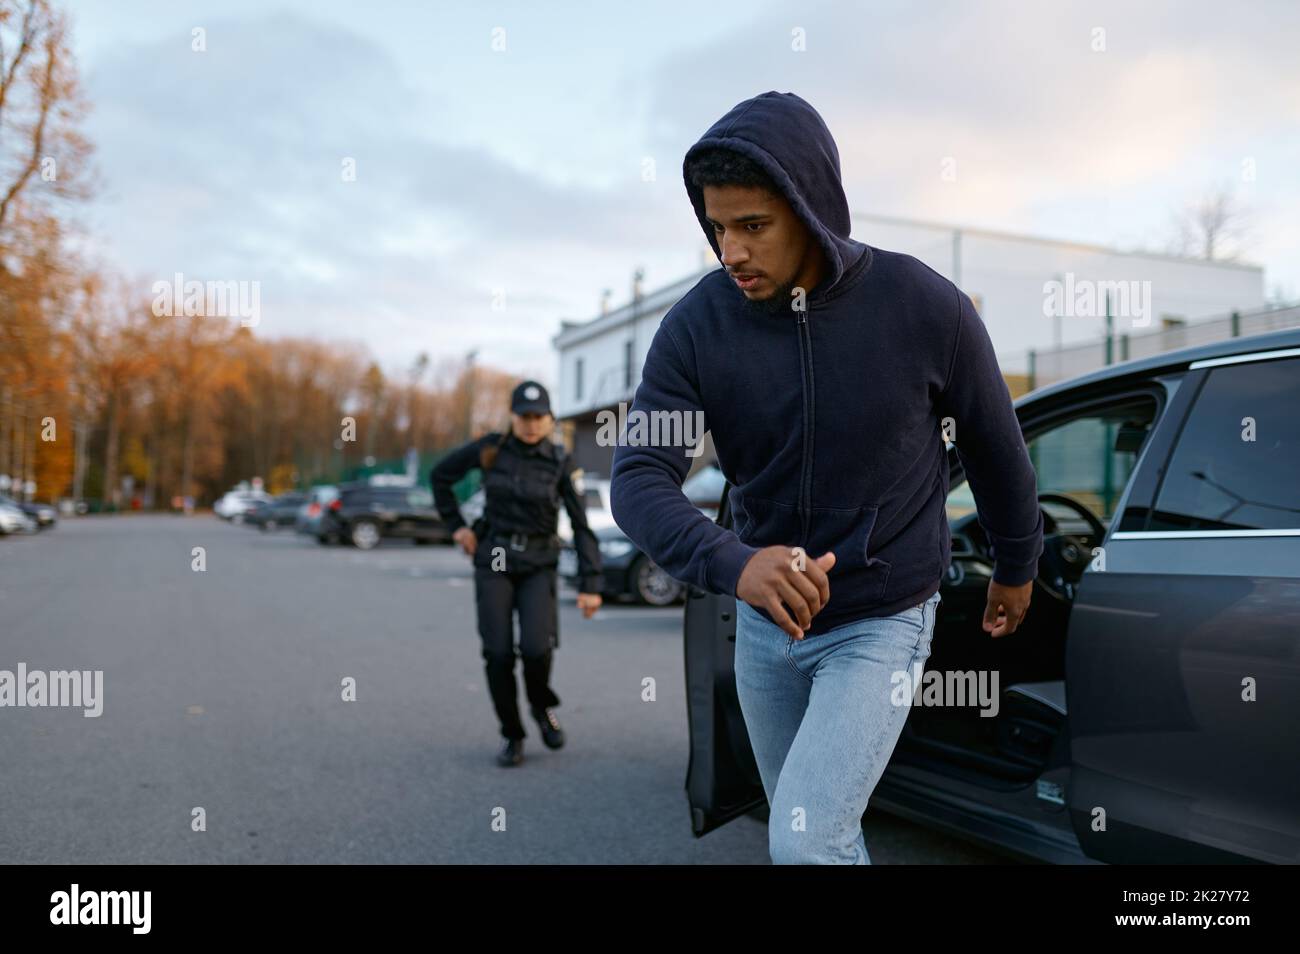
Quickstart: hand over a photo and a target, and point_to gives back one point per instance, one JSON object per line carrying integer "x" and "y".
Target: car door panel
{"x": 1174, "y": 759}
{"x": 722, "y": 780}
{"x": 1161, "y": 738}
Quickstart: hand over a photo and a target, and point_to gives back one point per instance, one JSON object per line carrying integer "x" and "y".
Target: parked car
{"x": 363, "y": 514}
{"x": 235, "y": 505}
{"x": 43, "y": 514}
{"x": 473, "y": 507}
{"x": 256, "y": 506}
{"x": 280, "y": 511}
{"x": 14, "y": 520}
{"x": 629, "y": 573}
{"x": 1168, "y": 593}
{"x": 595, "y": 498}
{"x": 308, "y": 518}
{"x": 705, "y": 488}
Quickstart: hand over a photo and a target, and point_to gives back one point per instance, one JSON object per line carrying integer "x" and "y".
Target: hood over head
{"x": 788, "y": 139}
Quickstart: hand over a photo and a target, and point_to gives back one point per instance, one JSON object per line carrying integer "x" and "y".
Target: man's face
{"x": 766, "y": 248}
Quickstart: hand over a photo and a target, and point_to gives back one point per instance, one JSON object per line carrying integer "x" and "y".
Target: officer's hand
{"x": 1006, "y": 608}
{"x": 465, "y": 537}
{"x": 588, "y": 603}
{"x": 776, "y": 575}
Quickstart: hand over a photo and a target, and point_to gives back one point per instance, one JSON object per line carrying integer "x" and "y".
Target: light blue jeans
{"x": 823, "y": 721}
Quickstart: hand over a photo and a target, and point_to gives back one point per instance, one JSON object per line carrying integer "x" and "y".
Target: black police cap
{"x": 530, "y": 398}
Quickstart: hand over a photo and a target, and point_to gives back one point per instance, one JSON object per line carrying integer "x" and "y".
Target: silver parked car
{"x": 236, "y": 505}
{"x": 13, "y": 520}
{"x": 44, "y": 514}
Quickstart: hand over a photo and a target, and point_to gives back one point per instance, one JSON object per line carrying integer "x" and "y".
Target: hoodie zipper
{"x": 809, "y": 418}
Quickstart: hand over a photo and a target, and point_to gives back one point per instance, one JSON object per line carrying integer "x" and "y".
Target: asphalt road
{"x": 223, "y": 690}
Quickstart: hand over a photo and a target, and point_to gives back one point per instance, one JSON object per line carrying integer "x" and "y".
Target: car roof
{"x": 1169, "y": 361}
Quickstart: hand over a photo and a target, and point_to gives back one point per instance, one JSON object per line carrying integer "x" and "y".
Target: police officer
{"x": 515, "y": 550}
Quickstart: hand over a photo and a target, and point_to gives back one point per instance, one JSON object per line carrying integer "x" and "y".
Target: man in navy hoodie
{"x": 830, "y": 374}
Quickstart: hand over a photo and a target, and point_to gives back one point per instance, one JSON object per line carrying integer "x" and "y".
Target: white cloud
{"x": 524, "y": 173}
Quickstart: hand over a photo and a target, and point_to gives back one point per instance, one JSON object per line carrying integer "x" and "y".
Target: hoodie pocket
{"x": 764, "y": 523}
{"x": 847, "y": 533}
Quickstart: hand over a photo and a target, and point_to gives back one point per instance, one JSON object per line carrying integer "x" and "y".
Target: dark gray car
{"x": 1148, "y": 707}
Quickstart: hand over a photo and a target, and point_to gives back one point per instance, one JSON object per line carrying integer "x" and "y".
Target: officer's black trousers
{"x": 498, "y": 595}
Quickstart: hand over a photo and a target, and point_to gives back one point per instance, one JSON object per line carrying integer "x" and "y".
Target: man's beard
{"x": 775, "y": 305}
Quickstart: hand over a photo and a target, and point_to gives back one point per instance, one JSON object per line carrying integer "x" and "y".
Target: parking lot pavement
{"x": 222, "y": 692}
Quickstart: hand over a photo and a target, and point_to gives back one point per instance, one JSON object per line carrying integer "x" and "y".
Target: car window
{"x": 704, "y": 488}
{"x": 591, "y": 499}
{"x": 1237, "y": 459}
{"x": 1088, "y": 458}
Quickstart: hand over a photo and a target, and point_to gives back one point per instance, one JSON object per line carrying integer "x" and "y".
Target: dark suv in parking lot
{"x": 1148, "y": 707}
{"x": 363, "y": 514}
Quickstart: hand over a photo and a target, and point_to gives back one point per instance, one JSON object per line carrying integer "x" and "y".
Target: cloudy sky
{"x": 498, "y": 191}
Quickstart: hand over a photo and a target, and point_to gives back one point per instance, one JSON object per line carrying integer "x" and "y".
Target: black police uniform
{"x": 515, "y": 561}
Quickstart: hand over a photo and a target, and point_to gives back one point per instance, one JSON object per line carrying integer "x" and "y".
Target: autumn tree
{"x": 42, "y": 165}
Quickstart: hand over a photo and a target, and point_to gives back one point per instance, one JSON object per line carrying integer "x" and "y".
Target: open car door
{"x": 722, "y": 780}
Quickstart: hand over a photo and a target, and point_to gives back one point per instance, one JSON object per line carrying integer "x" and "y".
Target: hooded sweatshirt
{"x": 827, "y": 421}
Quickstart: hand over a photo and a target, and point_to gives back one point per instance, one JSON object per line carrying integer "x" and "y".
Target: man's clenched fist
{"x": 785, "y": 575}
{"x": 1007, "y": 606}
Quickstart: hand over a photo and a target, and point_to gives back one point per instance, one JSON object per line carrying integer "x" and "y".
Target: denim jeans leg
{"x": 773, "y": 696}
{"x": 846, "y": 735}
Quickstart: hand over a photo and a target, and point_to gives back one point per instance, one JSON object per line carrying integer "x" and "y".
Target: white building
{"x": 1006, "y": 274}
{"x": 1035, "y": 295}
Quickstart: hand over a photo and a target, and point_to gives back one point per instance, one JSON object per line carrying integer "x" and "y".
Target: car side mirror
{"x": 1130, "y": 437}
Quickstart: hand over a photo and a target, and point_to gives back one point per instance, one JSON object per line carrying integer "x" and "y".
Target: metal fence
{"x": 1057, "y": 364}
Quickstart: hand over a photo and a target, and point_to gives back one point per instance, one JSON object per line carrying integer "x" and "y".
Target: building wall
{"x": 1003, "y": 274}
{"x": 604, "y": 377}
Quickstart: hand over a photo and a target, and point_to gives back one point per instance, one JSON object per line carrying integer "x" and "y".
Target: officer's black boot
{"x": 501, "y": 683}
{"x": 552, "y": 734}
{"x": 512, "y": 752}
{"x": 542, "y": 699}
